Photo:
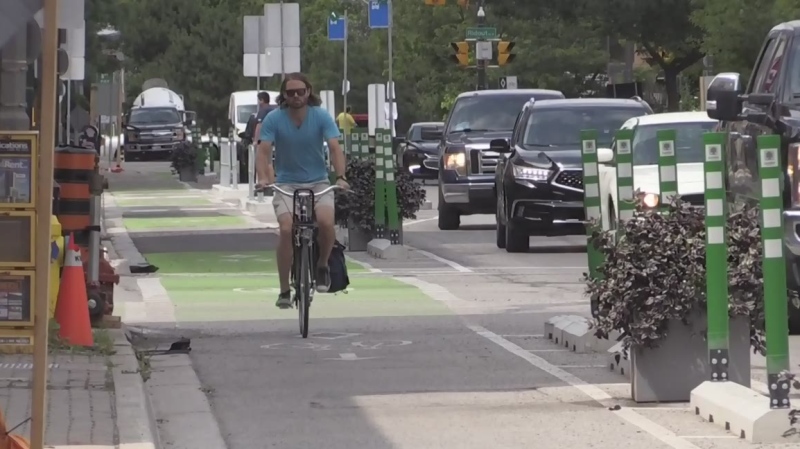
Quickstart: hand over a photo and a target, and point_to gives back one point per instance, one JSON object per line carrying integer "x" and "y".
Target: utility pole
{"x": 480, "y": 64}
{"x": 345, "y": 83}
{"x": 390, "y": 89}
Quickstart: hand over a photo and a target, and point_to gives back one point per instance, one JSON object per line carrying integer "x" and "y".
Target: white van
{"x": 242, "y": 105}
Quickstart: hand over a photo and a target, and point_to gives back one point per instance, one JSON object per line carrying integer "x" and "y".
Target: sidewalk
{"x": 95, "y": 397}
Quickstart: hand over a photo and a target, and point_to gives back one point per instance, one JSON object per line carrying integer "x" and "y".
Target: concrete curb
{"x": 136, "y": 421}
{"x": 383, "y": 249}
{"x": 574, "y": 332}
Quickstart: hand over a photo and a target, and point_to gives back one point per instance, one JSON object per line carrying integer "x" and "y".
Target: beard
{"x": 297, "y": 104}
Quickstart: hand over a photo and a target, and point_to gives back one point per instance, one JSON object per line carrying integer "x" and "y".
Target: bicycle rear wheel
{"x": 304, "y": 290}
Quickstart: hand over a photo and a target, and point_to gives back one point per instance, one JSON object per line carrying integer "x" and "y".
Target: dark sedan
{"x": 419, "y": 151}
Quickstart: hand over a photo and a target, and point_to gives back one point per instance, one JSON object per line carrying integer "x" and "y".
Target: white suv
{"x": 689, "y": 129}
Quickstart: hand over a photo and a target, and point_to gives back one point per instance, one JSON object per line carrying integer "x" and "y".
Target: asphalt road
{"x": 442, "y": 350}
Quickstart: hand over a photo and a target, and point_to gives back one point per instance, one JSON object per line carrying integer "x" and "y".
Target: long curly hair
{"x": 313, "y": 99}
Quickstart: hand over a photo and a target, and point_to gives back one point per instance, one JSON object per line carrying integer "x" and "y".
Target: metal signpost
{"x": 380, "y": 17}
{"x": 624, "y": 159}
{"x": 774, "y": 270}
{"x": 282, "y": 37}
{"x": 667, "y": 172}
{"x": 591, "y": 195}
{"x": 254, "y": 61}
{"x": 337, "y": 31}
{"x": 716, "y": 257}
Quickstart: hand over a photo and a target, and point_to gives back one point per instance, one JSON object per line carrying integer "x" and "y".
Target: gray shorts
{"x": 283, "y": 203}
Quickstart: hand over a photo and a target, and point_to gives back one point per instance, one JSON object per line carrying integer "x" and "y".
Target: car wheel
{"x": 517, "y": 239}
{"x": 500, "y": 229}
{"x": 449, "y": 218}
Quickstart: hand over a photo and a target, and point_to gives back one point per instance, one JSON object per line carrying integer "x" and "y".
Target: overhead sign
{"x": 482, "y": 33}
{"x": 378, "y": 14}
{"x": 508, "y": 82}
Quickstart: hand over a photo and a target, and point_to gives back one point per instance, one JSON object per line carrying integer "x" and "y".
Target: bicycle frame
{"x": 304, "y": 224}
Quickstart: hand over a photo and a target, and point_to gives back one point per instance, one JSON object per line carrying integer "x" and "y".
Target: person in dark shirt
{"x": 264, "y": 108}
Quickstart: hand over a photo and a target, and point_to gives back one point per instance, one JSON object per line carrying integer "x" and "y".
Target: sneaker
{"x": 284, "y": 300}
{"x": 323, "y": 279}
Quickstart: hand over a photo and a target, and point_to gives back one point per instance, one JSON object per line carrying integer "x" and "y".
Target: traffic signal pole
{"x": 480, "y": 64}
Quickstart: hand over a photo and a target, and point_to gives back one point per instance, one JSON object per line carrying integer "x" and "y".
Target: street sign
{"x": 336, "y": 29}
{"x": 105, "y": 78}
{"x": 378, "y": 14}
{"x": 281, "y": 37}
{"x": 508, "y": 82}
{"x": 481, "y": 33}
{"x": 483, "y": 50}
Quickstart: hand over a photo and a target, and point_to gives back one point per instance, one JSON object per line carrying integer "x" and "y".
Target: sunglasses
{"x": 296, "y": 92}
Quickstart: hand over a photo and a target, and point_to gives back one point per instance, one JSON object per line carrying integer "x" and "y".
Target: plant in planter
{"x": 356, "y": 209}
{"x": 652, "y": 288}
{"x": 184, "y": 161}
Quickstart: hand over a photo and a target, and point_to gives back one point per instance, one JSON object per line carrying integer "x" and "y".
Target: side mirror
{"x": 605, "y": 155}
{"x": 723, "y": 97}
{"x": 500, "y": 146}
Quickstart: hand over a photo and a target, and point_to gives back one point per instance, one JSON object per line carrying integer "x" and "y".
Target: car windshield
{"x": 415, "y": 134}
{"x": 154, "y": 116}
{"x": 688, "y": 144}
{"x": 244, "y": 112}
{"x": 562, "y": 127}
{"x": 486, "y": 113}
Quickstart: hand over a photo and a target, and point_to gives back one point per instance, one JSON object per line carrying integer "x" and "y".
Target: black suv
{"x": 768, "y": 104}
{"x": 418, "y": 151}
{"x": 539, "y": 181}
{"x": 466, "y": 165}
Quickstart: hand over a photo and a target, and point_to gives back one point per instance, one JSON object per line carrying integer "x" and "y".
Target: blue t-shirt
{"x": 299, "y": 151}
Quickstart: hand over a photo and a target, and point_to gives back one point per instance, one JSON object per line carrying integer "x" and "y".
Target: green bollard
{"x": 776, "y": 301}
{"x": 591, "y": 197}
{"x": 352, "y": 145}
{"x": 393, "y": 215}
{"x": 624, "y": 161}
{"x": 716, "y": 257}
{"x": 667, "y": 172}
{"x": 380, "y": 187}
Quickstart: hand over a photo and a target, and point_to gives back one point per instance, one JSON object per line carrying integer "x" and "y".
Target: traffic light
{"x": 504, "y": 55}
{"x": 435, "y": 2}
{"x": 462, "y": 53}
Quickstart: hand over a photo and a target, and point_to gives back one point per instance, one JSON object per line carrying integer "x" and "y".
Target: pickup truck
{"x": 466, "y": 164}
{"x": 769, "y": 103}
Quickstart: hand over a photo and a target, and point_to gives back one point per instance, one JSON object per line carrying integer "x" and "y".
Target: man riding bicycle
{"x": 297, "y": 131}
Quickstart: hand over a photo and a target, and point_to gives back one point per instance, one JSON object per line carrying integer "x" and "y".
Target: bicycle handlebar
{"x": 279, "y": 190}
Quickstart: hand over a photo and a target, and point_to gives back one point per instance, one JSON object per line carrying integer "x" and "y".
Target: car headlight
{"x": 530, "y": 173}
{"x": 650, "y": 200}
{"x": 131, "y": 137}
{"x": 457, "y": 162}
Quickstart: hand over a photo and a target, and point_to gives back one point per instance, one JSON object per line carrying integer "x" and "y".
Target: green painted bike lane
{"x": 240, "y": 286}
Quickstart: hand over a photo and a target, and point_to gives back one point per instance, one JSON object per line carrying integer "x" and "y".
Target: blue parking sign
{"x": 378, "y": 14}
{"x": 336, "y": 29}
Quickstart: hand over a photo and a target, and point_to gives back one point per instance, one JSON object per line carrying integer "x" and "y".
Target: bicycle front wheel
{"x": 304, "y": 281}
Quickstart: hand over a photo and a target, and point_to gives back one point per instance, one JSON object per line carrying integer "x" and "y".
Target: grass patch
{"x": 103, "y": 343}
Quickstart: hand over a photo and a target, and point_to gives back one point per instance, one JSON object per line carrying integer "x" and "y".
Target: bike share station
{"x": 716, "y": 379}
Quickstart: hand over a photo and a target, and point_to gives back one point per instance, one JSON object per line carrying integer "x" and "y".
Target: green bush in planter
{"x": 358, "y": 205}
{"x": 654, "y": 272}
{"x": 184, "y": 155}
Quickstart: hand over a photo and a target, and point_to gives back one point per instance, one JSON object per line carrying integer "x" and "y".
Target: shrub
{"x": 654, "y": 272}
{"x": 184, "y": 155}
{"x": 358, "y": 205}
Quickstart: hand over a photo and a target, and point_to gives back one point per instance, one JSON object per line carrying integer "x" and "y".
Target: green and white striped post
{"x": 392, "y": 214}
{"x": 380, "y": 186}
{"x": 624, "y": 160}
{"x": 591, "y": 197}
{"x": 200, "y": 160}
{"x": 774, "y": 269}
{"x": 352, "y": 145}
{"x": 364, "y": 153}
{"x": 716, "y": 257}
{"x": 667, "y": 171}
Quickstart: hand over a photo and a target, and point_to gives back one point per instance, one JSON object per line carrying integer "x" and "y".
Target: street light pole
{"x": 481, "y": 63}
{"x": 390, "y": 88}
{"x": 344, "y": 82}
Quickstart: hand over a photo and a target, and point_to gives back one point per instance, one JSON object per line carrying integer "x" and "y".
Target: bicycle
{"x": 304, "y": 232}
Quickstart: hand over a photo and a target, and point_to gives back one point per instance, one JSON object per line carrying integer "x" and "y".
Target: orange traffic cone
{"x": 72, "y": 308}
{"x": 10, "y": 440}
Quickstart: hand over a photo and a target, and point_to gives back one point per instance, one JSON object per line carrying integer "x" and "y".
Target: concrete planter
{"x": 187, "y": 174}
{"x": 353, "y": 238}
{"x": 680, "y": 363}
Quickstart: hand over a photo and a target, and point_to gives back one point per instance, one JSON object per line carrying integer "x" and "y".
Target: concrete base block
{"x": 225, "y": 192}
{"x": 383, "y": 249}
{"x": 427, "y": 205}
{"x": 741, "y": 410}
{"x": 558, "y": 324}
{"x": 618, "y": 361}
{"x": 259, "y": 208}
{"x": 550, "y": 326}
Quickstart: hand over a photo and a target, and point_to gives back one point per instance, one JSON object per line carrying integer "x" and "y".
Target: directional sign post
{"x": 336, "y": 28}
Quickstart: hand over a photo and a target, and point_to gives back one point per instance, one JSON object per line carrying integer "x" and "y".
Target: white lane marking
{"x": 578, "y": 366}
{"x": 349, "y": 357}
{"x": 709, "y": 437}
{"x": 654, "y": 429}
{"x": 421, "y": 220}
{"x": 524, "y": 336}
{"x": 434, "y": 291}
{"x": 454, "y": 265}
{"x": 364, "y": 264}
